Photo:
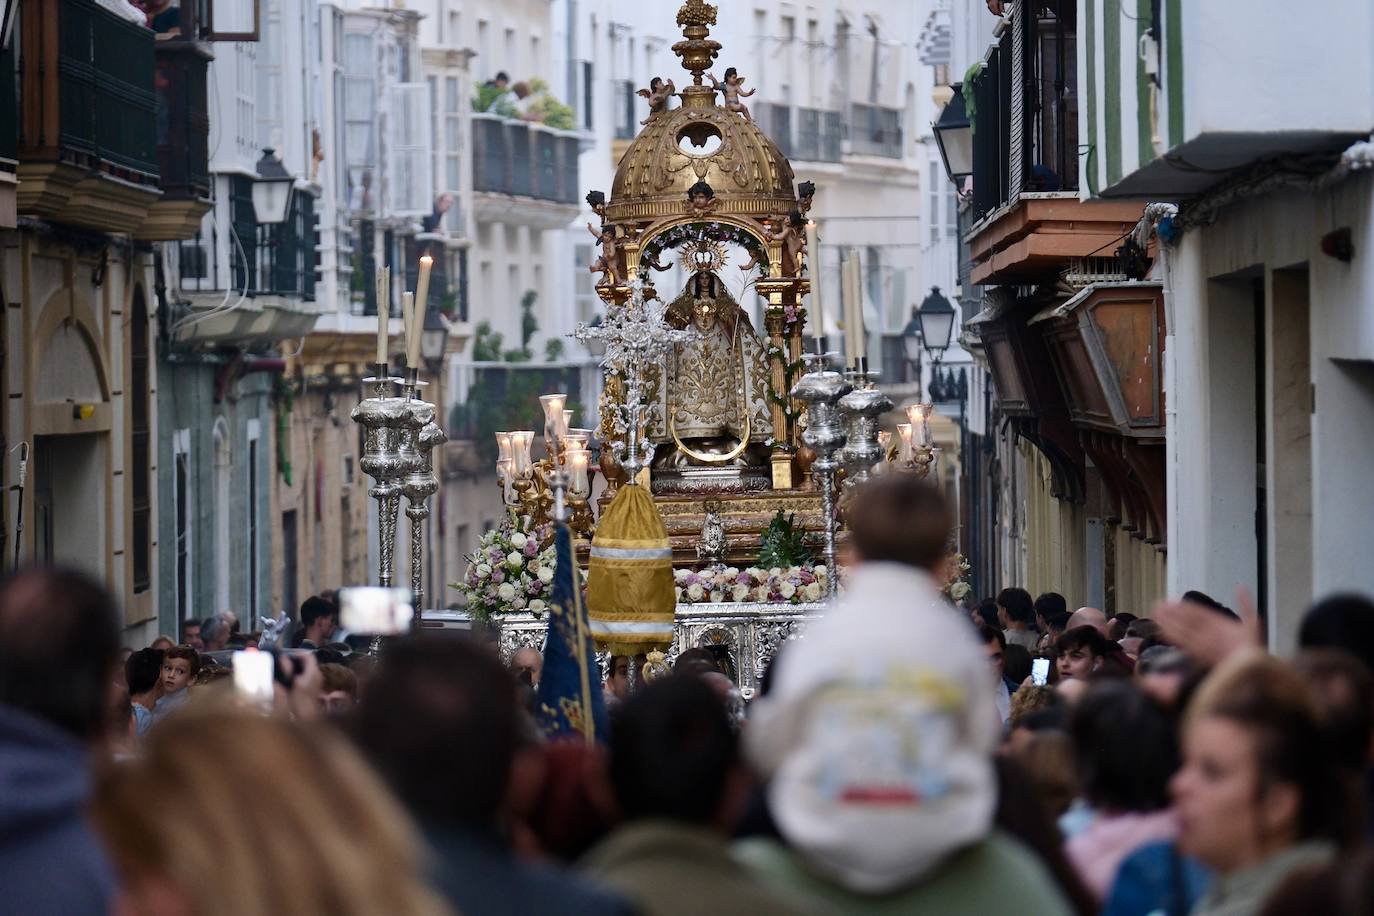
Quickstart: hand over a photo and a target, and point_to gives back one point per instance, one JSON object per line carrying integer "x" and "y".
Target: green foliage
{"x": 486, "y": 344}
{"x": 553, "y": 113}
{"x": 493, "y": 101}
{"x": 492, "y": 406}
{"x": 783, "y": 544}
{"x": 529, "y": 325}
{"x": 970, "y": 98}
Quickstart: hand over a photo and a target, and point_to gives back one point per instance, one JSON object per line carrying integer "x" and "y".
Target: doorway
{"x": 68, "y": 495}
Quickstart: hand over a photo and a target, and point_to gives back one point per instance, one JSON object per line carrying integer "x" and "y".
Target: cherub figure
{"x": 701, "y": 198}
{"x": 733, "y": 93}
{"x": 608, "y": 265}
{"x": 658, "y": 94}
{"x": 597, "y": 201}
{"x": 792, "y": 233}
{"x": 757, "y": 259}
{"x": 806, "y": 195}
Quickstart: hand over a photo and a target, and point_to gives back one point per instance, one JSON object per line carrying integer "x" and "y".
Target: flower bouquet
{"x": 956, "y": 568}
{"x": 715, "y": 584}
{"x": 510, "y": 572}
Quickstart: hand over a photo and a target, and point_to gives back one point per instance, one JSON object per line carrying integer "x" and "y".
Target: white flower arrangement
{"x": 508, "y": 572}
{"x": 772, "y": 586}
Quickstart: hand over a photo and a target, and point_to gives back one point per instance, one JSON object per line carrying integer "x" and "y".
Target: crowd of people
{"x": 902, "y": 756}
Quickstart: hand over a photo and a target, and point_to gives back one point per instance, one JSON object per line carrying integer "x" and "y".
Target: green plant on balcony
{"x": 493, "y": 100}
{"x": 553, "y": 350}
{"x": 547, "y": 110}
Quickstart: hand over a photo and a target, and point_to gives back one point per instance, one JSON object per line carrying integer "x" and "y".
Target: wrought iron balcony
{"x": 1025, "y": 130}
{"x": 818, "y": 135}
{"x": 875, "y": 131}
{"x": 248, "y": 282}
{"x": 240, "y": 256}
{"x": 521, "y": 159}
{"x": 87, "y": 145}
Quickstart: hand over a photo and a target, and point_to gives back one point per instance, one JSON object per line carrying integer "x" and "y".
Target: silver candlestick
{"x": 419, "y": 485}
{"x": 382, "y": 417}
{"x": 821, "y": 389}
{"x": 413, "y": 477}
{"x": 862, "y": 408}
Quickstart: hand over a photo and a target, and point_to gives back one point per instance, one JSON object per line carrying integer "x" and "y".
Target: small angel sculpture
{"x": 792, "y": 233}
{"x": 806, "y": 195}
{"x": 608, "y": 265}
{"x": 597, "y": 201}
{"x": 701, "y": 198}
{"x": 733, "y": 93}
{"x": 658, "y": 94}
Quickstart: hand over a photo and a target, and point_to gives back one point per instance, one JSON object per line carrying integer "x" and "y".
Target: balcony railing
{"x": 776, "y": 122}
{"x": 87, "y": 90}
{"x": 818, "y": 137}
{"x": 524, "y": 160}
{"x": 254, "y": 259}
{"x": 875, "y": 131}
{"x": 1039, "y": 150}
{"x": 183, "y": 119}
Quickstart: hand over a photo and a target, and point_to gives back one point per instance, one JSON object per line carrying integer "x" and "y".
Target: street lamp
{"x": 937, "y": 322}
{"x": 272, "y": 190}
{"x": 954, "y": 136}
{"x": 433, "y": 339}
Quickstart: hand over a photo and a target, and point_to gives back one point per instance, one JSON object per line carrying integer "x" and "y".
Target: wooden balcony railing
{"x": 87, "y": 115}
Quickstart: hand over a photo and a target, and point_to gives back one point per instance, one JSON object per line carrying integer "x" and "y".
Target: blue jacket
{"x": 50, "y": 860}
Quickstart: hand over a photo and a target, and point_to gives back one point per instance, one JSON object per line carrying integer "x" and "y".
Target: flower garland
{"x": 955, "y": 587}
{"x": 509, "y": 572}
{"x": 709, "y": 231}
{"x": 790, "y": 370}
{"x": 716, "y": 584}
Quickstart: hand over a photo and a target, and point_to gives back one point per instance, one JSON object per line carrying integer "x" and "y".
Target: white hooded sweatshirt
{"x": 878, "y": 734}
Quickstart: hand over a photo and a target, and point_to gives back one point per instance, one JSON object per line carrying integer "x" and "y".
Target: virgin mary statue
{"x": 713, "y": 392}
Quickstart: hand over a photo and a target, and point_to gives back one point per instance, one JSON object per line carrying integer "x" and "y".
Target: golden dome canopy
{"x": 700, "y": 141}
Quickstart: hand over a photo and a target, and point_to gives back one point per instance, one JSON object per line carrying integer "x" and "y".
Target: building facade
{"x": 1266, "y": 281}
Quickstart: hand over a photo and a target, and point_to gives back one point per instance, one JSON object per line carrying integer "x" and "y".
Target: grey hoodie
{"x": 50, "y": 861}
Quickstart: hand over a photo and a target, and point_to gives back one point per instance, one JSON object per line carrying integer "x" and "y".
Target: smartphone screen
{"x": 1040, "y": 671}
{"x": 253, "y": 676}
{"x": 371, "y": 610}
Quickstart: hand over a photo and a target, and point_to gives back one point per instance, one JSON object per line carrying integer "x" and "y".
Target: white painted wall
{"x": 1267, "y": 65}
{"x": 1212, "y": 474}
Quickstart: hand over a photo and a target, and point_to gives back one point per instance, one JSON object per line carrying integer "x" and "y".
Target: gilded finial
{"x": 696, "y": 12}
{"x": 697, "y": 49}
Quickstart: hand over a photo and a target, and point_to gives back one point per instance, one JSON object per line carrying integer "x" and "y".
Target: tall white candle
{"x": 412, "y": 330}
{"x": 856, "y": 297}
{"x": 813, "y": 268}
{"x": 383, "y": 317}
{"x": 422, "y": 285}
{"x": 849, "y": 288}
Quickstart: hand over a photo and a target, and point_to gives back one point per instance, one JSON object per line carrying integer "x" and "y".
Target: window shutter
{"x": 1020, "y": 16}
{"x": 410, "y": 165}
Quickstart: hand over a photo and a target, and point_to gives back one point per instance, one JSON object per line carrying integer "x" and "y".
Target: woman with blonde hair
{"x": 231, "y": 812}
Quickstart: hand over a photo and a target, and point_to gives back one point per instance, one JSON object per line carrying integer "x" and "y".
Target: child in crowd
{"x": 179, "y": 668}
